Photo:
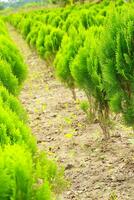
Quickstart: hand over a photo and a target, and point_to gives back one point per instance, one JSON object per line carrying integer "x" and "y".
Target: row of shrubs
{"x": 25, "y": 173}
{"x": 90, "y": 47}
{"x": 44, "y": 29}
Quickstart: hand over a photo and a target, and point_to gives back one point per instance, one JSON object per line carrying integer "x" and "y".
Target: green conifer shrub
{"x": 86, "y": 71}
{"x": 8, "y": 100}
{"x": 72, "y": 20}
{"x": 23, "y": 178}
{"x": 10, "y": 54}
{"x": 33, "y": 34}
{"x": 7, "y": 78}
{"x": 26, "y": 26}
{"x": 116, "y": 56}
{"x": 66, "y": 54}
{"x": 40, "y": 42}
{"x": 14, "y": 129}
{"x": 53, "y": 41}
{"x": 15, "y": 173}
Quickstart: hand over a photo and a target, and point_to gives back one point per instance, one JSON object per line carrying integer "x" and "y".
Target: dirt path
{"x": 94, "y": 168}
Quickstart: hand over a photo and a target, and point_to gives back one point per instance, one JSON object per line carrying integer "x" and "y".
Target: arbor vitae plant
{"x": 73, "y": 20}
{"x": 116, "y": 56}
{"x": 20, "y": 175}
{"x": 10, "y": 101}
{"x": 10, "y": 54}
{"x": 26, "y": 26}
{"x": 16, "y": 170}
{"x": 69, "y": 48}
{"x": 86, "y": 71}
{"x": 40, "y": 42}
{"x": 52, "y": 42}
{"x": 33, "y": 34}
{"x": 7, "y": 78}
{"x": 13, "y": 130}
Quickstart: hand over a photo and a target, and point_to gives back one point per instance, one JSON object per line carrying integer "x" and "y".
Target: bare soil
{"x": 95, "y": 168}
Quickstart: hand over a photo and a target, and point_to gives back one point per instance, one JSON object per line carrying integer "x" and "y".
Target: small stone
{"x": 53, "y": 115}
{"x": 69, "y": 166}
{"x": 69, "y": 192}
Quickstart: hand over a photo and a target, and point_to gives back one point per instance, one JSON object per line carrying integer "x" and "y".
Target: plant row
{"x": 90, "y": 47}
{"x": 25, "y": 173}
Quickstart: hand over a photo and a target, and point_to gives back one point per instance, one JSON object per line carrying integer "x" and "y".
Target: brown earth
{"x": 95, "y": 168}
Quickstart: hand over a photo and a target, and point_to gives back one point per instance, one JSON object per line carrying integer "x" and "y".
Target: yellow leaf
{"x": 44, "y": 106}
{"x": 46, "y": 88}
{"x": 69, "y": 135}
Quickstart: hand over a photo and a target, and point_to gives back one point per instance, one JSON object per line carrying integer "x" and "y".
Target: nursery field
{"x": 67, "y": 102}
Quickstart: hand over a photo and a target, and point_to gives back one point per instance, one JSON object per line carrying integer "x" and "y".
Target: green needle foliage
{"x": 26, "y": 26}
{"x": 33, "y": 34}
{"x": 69, "y": 48}
{"x": 10, "y": 54}
{"x": 25, "y": 178}
{"x": 10, "y": 101}
{"x": 15, "y": 173}
{"x": 116, "y": 56}
{"x": 40, "y": 42}
{"x": 13, "y": 130}
{"x": 7, "y": 78}
{"x": 53, "y": 41}
{"x": 86, "y": 71}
